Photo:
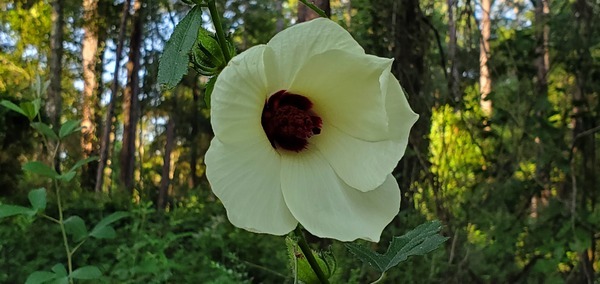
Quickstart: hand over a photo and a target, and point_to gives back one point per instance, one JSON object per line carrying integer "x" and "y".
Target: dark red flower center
{"x": 289, "y": 122}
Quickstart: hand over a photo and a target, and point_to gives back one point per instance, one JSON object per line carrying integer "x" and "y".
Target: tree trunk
{"x": 485, "y": 81}
{"x": 306, "y": 14}
{"x": 542, "y": 64}
{"x": 584, "y": 140}
{"x": 130, "y": 102}
{"x": 90, "y": 56}
{"x": 108, "y": 122}
{"x": 163, "y": 192}
{"x": 54, "y": 100}
{"x": 279, "y": 25}
{"x": 196, "y": 93}
{"x": 454, "y": 81}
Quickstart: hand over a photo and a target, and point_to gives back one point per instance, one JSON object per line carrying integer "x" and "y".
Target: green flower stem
{"x": 309, "y": 256}
{"x": 49, "y": 218}
{"x": 314, "y": 8}
{"x": 216, "y": 18}
{"x": 63, "y": 231}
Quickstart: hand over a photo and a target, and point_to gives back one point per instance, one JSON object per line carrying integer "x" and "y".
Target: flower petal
{"x": 294, "y": 45}
{"x": 247, "y": 181}
{"x": 361, "y": 164}
{"x": 239, "y": 96}
{"x": 345, "y": 89}
{"x": 329, "y": 208}
{"x": 401, "y": 117}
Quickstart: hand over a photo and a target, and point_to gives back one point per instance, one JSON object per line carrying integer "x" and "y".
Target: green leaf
{"x": 39, "y": 277}
{"x": 59, "y": 269}
{"x": 174, "y": 61}
{"x": 75, "y": 226}
{"x": 68, "y": 176}
{"x": 302, "y": 269}
{"x": 37, "y": 198}
{"x": 11, "y": 210}
{"x": 86, "y": 272}
{"x": 12, "y": 106}
{"x": 29, "y": 110}
{"x": 45, "y": 130}
{"x": 40, "y": 168}
{"x": 210, "y": 85}
{"x": 68, "y": 128}
{"x": 419, "y": 241}
{"x": 106, "y": 232}
{"x": 102, "y": 230}
{"x": 61, "y": 280}
{"x": 80, "y": 163}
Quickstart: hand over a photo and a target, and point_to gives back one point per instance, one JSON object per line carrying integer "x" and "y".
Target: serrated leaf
{"x": 210, "y": 85}
{"x": 59, "y": 269}
{"x": 86, "y": 272}
{"x": 45, "y": 130}
{"x": 39, "y": 277}
{"x": 75, "y": 226}
{"x": 106, "y": 232}
{"x": 68, "y": 128}
{"x": 83, "y": 162}
{"x": 37, "y": 198}
{"x": 10, "y": 105}
{"x": 11, "y": 210}
{"x": 174, "y": 61}
{"x": 419, "y": 241}
{"x": 40, "y": 168}
{"x": 68, "y": 176}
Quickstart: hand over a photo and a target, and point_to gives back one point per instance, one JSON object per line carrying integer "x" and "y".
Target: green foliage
{"x": 300, "y": 266}
{"x": 419, "y": 241}
{"x": 175, "y": 58}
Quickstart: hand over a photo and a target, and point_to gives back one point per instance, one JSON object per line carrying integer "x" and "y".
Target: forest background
{"x": 505, "y": 152}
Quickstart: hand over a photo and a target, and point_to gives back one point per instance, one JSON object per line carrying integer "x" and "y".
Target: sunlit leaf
{"x": 174, "y": 60}
{"x": 12, "y": 106}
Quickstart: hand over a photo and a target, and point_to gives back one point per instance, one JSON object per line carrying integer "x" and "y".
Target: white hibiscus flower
{"x": 308, "y": 129}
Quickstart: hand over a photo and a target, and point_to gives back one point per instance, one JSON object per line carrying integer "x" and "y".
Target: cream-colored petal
{"x": 295, "y": 45}
{"x": 345, "y": 89}
{"x": 329, "y": 208}
{"x": 239, "y": 96}
{"x": 361, "y": 164}
{"x": 401, "y": 117}
{"x": 247, "y": 180}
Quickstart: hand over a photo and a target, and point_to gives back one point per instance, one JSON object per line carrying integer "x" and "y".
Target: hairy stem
{"x": 309, "y": 256}
{"x": 314, "y": 8}
{"x": 216, "y": 18}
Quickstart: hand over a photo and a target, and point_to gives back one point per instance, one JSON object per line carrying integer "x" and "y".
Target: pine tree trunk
{"x": 54, "y": 101}
{"x": 130, "y": 100}
{"x": 306, "y": 14}
{"x": 90, "y": 57}
{"x": 108, "y": 122}
{"x": 485, "y": 81}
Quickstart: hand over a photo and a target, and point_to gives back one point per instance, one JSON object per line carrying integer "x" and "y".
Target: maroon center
{"x": 289, "y": 122}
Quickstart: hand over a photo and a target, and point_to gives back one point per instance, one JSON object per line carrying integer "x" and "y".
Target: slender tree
{"x": 54, "y": 100}
{"x": 130, "y": 99}
{"x": 485, "y": 81}
{"x": 110, "y": 111}
{"x": 454, "y": 80}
